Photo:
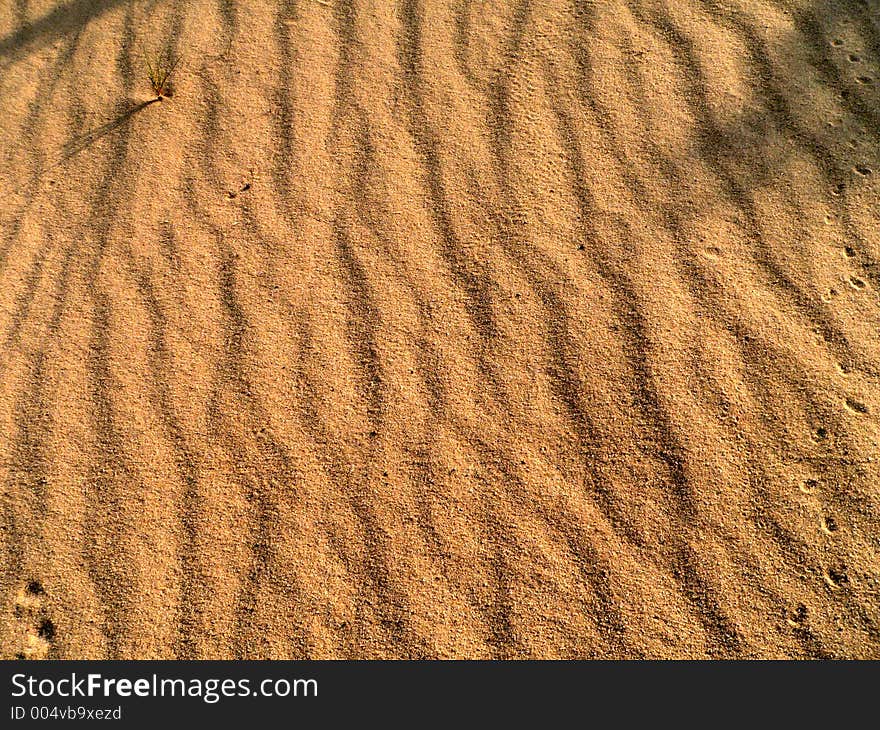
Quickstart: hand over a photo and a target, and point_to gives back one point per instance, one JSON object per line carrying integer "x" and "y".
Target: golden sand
{"x": 440, "y": 328}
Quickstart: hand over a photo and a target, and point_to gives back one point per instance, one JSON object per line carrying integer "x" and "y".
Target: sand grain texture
{"x": 428, "y": 328}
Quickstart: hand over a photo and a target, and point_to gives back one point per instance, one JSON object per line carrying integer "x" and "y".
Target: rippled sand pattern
{"x": 440, "y": 328}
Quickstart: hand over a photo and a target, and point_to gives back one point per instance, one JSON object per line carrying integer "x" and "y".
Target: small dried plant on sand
{"x": 160, "y": 69}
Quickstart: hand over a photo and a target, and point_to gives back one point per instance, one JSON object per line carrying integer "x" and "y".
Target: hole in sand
{"x": 47, "y": 630}
{"x": 856, "y": 406}
{"x": 856, "y": 282}
{"x": 863, "y": 170}
{"x": 829, "y": 524}
{"x": 799, "y": 616}
{"x": 35, "y": 588}
{"x": 836, "y": 577}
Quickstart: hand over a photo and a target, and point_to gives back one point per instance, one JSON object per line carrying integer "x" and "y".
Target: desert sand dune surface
{"x": 440, "y": 329}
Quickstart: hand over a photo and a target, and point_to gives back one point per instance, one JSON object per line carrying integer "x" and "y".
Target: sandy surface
{"x": 428, "y": 328}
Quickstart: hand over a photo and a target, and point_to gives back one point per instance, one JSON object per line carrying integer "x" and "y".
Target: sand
{"x": 440, "y": 329}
